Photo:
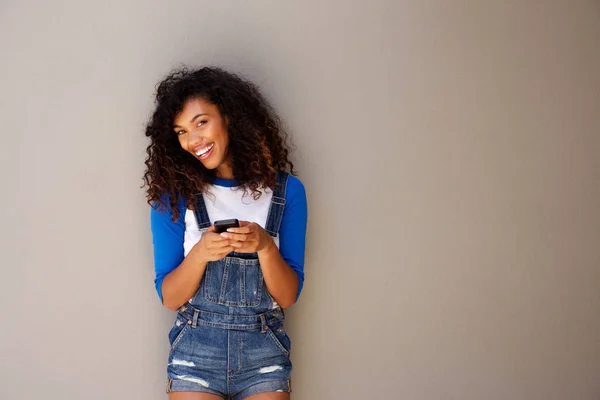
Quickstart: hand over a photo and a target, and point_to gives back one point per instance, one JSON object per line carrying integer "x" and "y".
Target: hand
{"x": 212, "y": 246}
{"x": 248, "y": 238}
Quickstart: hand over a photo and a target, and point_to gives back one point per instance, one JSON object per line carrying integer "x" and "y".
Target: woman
{"x": 218, "y": 152}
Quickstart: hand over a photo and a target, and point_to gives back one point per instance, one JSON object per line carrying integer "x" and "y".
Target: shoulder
{"x": 164, "y": 210}
{"x": 295, "y": 189}
{"x": 295, "y": 196}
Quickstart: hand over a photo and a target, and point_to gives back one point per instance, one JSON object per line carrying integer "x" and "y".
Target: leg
{"x": 193, "y": 396}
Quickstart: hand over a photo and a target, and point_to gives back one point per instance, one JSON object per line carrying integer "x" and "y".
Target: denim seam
{"x": 189, "y": 386}
{"x": 277, "y": 342}
{"x": 243, "y": 283}
{"x": 260, "y": 286}
{"x": 179, "y": 336}
{"x": 244, "y": 261}
{"x": 277, "y": 205}
{"x": 223, "y": 281}
{"x": 250, "y": 391}
{"x": 221, "y": 299}
{"x": 207, "y": 274}
{"x": 228, "y": 361}
{"x": 239, "y": 359}
{"x": 226, "y": 326}
{"x": 274, "y": 313}
{"x": 200, "y": 213}
{"x": 236, "y": 326}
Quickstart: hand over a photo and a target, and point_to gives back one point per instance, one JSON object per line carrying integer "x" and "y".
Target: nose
{"x": 194, "y": 138}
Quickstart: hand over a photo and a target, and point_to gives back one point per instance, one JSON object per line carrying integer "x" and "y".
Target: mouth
{"x": 205, "y": 152}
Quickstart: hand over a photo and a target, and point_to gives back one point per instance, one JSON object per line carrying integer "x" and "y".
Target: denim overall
{"x": 229, "y": 339}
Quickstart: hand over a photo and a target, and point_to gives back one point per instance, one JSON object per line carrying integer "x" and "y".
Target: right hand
{"x": 212, "y": 247}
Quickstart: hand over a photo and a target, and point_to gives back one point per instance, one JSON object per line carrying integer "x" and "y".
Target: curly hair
{"x": 258, "y": 144}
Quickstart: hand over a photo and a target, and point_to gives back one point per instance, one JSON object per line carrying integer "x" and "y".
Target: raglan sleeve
{"x": 292, "y": 232}
{"x": 167, "y": 241}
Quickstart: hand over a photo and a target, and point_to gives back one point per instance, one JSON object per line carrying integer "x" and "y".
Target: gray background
{"x": 451, "y": 155}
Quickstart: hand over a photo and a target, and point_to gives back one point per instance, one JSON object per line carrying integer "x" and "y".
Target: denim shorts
{"x": 233, "y": 356}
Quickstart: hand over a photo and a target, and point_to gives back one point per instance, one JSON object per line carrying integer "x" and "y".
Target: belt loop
{"x": 263, "y": 323}
{"x": 195, "y": 319}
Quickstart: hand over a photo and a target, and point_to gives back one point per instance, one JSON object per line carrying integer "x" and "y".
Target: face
{"x": 203, "y": 133}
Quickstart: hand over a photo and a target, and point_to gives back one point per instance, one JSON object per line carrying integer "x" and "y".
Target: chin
{"x": 211, "y": 166}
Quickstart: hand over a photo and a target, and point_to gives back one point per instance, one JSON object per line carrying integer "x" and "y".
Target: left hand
{"x": 248, "y": 238}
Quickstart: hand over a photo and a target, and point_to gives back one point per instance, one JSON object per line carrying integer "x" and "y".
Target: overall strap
{"x": 200, "y": 213}
{"x": 277, "y": 205}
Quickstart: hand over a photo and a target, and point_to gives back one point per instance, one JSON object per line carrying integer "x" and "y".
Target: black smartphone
{"x": 224, "y": 224}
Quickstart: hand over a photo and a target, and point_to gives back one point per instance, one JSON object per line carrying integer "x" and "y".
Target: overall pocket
{"x": 279, "y": 337}
{"x": 178, "y": 331}
{"x": 233, "y": 282}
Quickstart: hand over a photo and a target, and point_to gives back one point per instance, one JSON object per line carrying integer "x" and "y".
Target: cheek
{"x": 224, "y": 138}
{"x": 182, "y": 142}
{"x": 224, "y": 143}
{"x": 222, "y": 135}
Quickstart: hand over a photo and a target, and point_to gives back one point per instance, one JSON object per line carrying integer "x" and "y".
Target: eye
{"x": 179, "y": 133}
{"x": 201, "y": 123}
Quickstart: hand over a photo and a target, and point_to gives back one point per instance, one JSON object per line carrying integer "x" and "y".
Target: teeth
{"x": 204, "y": 150}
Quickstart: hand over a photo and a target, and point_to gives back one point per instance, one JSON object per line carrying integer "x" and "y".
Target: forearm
{"x": 280, "y": 278}
{"x": 181, "y": 284}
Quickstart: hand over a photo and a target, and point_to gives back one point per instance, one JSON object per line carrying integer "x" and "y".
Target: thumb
{"x": 244, "y": 223}
{"x": 211, "y": 228}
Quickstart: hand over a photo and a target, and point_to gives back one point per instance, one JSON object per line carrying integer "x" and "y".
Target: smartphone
{"x": 222, "y": 225}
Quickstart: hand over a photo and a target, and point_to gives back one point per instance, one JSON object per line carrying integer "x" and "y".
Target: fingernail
{"x": 231, "y": 230}
{"x": 224, "y": 235}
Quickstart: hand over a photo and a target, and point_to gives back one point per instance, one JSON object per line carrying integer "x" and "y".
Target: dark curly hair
{"x": 258, "y": 144}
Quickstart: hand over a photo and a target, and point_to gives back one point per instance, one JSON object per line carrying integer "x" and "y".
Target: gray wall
{"x": 450, "y": 152}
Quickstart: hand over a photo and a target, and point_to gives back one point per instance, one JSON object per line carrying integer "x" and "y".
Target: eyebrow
{"x": 192, "y": 121}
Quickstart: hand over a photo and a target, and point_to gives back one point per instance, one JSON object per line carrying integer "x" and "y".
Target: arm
{"x": 179, "y": 285}
{"x": 283, "y": 268}
{"x": 177, "y": 278}
{"x": 182, "y": 283}
{"x": 281, "y": 280}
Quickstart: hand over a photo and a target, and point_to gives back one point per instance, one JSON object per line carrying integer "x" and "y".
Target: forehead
{"x": 193, "y": 107}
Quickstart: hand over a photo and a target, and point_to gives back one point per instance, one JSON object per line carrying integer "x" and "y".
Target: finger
{"x": 244, "y": 247}
{"x": 243, "y": 229}
{"x": 235, "y": 236}
{"x": 215, "y": 237}
{"x": 210, "y": 229}
{"x": 253, "y": 226}
{"x": 241, "y": 248}
{"x": 226, "y": 251}
{"x": 219, "y": 245}
{"x": 212, "y": 235}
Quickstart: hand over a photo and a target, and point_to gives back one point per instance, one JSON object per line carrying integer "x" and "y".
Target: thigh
{"x": 193, "y": 396}
{"x": 269, "y": 396}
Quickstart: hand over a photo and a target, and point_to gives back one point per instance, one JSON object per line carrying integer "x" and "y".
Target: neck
{"x": 224, "y": 171}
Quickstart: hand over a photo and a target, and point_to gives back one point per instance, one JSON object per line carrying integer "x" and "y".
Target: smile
{"x": 205, "y": 152}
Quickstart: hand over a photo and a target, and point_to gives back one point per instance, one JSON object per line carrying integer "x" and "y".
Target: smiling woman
{"x": 213, "y": 141}
{"x": 254, "y": 145}
{"x": 203, "y": 133}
